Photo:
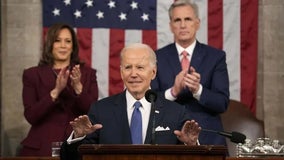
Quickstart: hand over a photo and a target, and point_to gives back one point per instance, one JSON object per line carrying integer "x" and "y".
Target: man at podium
{"x": 128, "y": 117}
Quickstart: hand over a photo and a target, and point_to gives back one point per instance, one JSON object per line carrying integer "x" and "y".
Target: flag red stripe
{"x": 85, "y": 45}
{"x": 150, "y": 37}
{"x": 249, "y": 31}
{"x": 215, "y": 23}
{"x": 117, "y": 41}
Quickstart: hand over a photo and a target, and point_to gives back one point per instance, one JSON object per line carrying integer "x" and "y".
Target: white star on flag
{"x": 56, "y": 12}
{"x": 111, "y": 4}
{"x": 89, "y": 3}
{"x": 134, "y": 5}
{"x": 100, "y": 14}
{"x": 122, "y": 16}
{"x": 77, "y": 14}
{"x": 145, "y": 17}
{"x": 67, "y": 2}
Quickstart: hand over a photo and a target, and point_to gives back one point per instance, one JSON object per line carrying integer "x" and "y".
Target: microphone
{"x": 235, "y": 137}
{"x": 151, "y": 96}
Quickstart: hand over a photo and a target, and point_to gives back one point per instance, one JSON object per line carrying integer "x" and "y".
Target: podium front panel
{"x": 152, "y": 152}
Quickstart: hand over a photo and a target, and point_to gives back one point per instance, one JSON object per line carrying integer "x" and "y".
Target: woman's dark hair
{"x": 47, "y": 57}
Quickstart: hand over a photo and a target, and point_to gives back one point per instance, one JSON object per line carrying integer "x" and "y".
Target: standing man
{"x": 111, "y": 120}
{"x": 192, "y": 73}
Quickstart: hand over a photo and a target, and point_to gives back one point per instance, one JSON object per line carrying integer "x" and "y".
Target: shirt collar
{"x": 188, "y": 49}
{"x": 130, "y": 100}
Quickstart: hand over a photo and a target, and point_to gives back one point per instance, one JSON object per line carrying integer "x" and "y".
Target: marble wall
{"x": 271, "y": 64}
{"x": 21, "y": 45}
{"x": 21, "y": 42}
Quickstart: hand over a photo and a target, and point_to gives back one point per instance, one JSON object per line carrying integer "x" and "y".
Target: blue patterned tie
{"x": 136, "y": 124}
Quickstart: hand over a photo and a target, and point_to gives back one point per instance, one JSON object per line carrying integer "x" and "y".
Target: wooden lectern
{"x": 152, "y": 152}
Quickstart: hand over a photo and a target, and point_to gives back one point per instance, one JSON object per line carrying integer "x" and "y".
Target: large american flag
{"x": 104, "y": 27}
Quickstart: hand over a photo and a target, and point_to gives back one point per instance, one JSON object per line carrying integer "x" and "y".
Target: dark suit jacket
{"x": 50, "y": 120}
{"x": 111, "y": 112}
{"x": 211, "y": 64}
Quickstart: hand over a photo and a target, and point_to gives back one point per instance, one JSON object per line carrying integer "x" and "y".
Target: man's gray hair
{"x": 153, "y": 58}
{"x": 179, "y": 3}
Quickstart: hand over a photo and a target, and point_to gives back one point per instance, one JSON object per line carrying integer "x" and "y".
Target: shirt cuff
{"x": 169, "y": 96}
{"x": 70, "y": 140}
{"x": 197, "y": 143}
{"x": 198, "y": 93}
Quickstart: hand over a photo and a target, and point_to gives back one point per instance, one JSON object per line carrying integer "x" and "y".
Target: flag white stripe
{"x": 100, "y": 59}
{"x": 231, "y": 43}
{"x": 164, "y": 34}
{"x": 133, "y": 36}
{"x": 202, "y": 34}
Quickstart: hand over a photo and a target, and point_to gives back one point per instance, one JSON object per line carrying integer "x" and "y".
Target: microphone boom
{"x": 235, "y": 137}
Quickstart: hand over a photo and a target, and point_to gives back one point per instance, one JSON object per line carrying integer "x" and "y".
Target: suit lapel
{"x": 47, "y": 76}
{"x": 120, "y": 115}
{"x": 173, "y": 59}
{"x": 197, "y": 57}
{"x": 158, "y": 117}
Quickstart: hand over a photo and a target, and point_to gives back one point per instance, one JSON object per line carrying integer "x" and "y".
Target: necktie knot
{"x": 137, "y": 105}
{"x": 184, "y": 53}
